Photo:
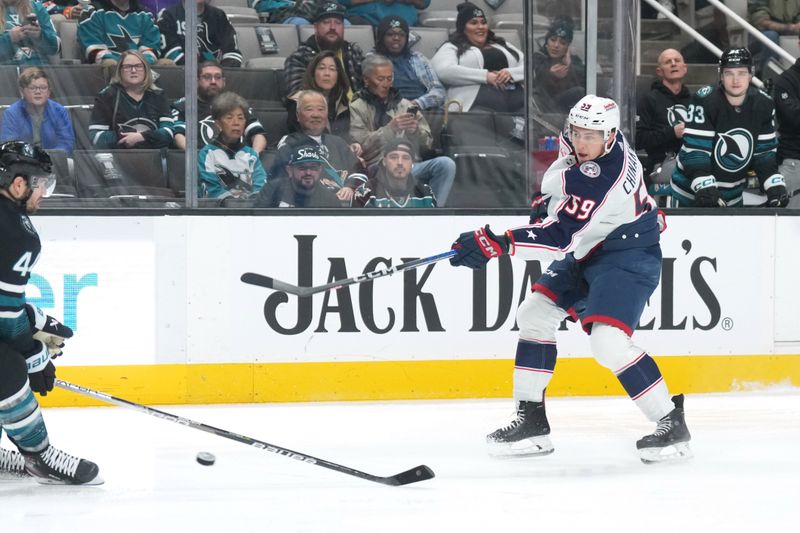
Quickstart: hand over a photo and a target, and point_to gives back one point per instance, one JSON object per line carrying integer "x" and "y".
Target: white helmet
{"x": 595, "y": 113}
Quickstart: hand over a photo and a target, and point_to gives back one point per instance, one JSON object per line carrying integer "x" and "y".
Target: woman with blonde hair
{"x": 131, "y": 112}
{"x": 27, "y": 35}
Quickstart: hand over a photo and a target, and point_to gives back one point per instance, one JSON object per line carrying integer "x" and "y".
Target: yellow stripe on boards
{"x": 402, "y": 380}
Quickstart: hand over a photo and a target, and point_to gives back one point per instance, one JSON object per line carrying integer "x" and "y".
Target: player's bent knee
{"x": 538, "y": 317}
{"x": 611, "y": 346}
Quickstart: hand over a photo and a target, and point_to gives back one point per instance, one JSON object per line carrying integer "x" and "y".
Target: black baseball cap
{"x": 329, "y": 9}
{"x": 305, "y": 154}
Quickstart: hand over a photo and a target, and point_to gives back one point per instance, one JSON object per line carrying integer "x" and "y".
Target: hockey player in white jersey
{"x": 595, "y": 219}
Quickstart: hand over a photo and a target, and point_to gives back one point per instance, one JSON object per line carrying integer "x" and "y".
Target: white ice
{"x": 745, "y": 475}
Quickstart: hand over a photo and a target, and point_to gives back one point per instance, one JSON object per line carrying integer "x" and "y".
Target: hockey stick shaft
{"x": 260, "y": 280}
{"x": 419, "y": 473}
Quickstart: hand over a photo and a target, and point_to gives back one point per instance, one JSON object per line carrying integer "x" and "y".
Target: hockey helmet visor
{"x": 18, "y": 158}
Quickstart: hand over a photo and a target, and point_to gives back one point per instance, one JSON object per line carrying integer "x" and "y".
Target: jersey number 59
{"x": 579, "y": 208}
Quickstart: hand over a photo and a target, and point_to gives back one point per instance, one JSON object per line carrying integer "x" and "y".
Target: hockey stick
{"x": 278, "y": 285}
{"x": 419, "y": 473}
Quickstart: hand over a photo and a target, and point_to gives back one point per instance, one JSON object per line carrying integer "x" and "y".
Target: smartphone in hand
{"x": 32, "y": 19}
{"x": 413, "y": 110}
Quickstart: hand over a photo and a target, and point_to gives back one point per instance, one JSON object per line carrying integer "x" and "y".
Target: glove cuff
{"x": 703, "y": 182}
{"x": 36, "y": 317}
{"x": 774, "y": 181}
{"x": 37, "y": 358}
{"x": 502, "y": 241}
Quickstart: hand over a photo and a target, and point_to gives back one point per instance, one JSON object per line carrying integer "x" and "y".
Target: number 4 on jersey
{"x": 25, "y": 264}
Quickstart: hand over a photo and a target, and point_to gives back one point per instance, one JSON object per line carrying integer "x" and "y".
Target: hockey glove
{"x": 777, "y": 195}
{"x": 48, "y": 330}
{"x": 476, "y": 248}
{"x": 708, "y": 197}
{"x": 41, "y": 371}
{"x": 538, "y": 208}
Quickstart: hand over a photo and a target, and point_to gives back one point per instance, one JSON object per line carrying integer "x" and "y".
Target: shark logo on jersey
{"x": 26, "y": 223}
{"x": 208, "y": 129}
{"x": 677, "y": 114}
{"x": 704, "y": 91}
{"x": 733, "y": 149}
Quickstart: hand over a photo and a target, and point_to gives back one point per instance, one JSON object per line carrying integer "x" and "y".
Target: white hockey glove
{"x": 48, "y": 330}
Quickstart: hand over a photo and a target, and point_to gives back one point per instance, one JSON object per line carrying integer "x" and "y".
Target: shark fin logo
{"x": 733, "y": 149}
{"x": 677, "y": 114}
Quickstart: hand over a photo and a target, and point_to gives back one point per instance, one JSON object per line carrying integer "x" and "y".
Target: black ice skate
{"x": 526, "y": 435}
{"x": 54, "y": 467}
{"x": 12, "y": 465}
{"x": 670, "y": 441}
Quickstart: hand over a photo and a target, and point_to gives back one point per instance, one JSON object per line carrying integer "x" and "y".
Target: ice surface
{"x": 745, "y": 475}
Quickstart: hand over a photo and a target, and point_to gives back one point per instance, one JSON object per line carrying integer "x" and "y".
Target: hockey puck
{"x": 206, "y": 459}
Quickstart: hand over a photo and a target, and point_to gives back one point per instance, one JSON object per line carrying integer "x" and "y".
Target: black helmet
{"x": 736, "y": 57}
{"x": 18, "y": 158}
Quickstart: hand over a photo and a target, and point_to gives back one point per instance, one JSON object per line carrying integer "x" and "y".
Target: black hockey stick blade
{"x": 259, "y": 280}
{"x": 420, "y": 473}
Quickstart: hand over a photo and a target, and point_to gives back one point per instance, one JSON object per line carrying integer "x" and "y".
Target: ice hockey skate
{"x": 670, "y": 441}
{"x": 527, "y": 435}
{"x": 54, "y": 467}
{"x": 12, "y": 465}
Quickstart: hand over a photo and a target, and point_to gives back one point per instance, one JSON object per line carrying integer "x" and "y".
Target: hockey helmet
{"x": 595, "y": 113}
{"x": 18, "y": 158}
{"x": 736, "y": 57}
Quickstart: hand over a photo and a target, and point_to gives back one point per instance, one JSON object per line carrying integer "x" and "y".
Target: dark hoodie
{"x": 787, "y": 109}
{"x": 657, "y": 114}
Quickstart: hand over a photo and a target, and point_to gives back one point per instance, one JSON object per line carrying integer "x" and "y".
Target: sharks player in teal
{"x": 731, "y": 130}
{"x": 28, "y": 337}
{"x": 595, "y": 219}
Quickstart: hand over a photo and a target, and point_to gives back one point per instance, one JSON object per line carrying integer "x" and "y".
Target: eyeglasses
{"x": 133, "y": 68}
{"x": 38, "y": 88}
{"x": 212, "y": 77}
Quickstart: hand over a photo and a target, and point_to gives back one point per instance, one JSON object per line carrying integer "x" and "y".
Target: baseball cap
{"x": 329, "y": 9}
{"x": 305, "y": 154}
{"x": 399, "y": 144}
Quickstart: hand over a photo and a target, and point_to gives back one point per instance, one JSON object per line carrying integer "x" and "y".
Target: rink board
{"x": 161, "y": 316}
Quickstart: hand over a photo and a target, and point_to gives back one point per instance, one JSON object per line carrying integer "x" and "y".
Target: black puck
{"x": 206, "y": 459}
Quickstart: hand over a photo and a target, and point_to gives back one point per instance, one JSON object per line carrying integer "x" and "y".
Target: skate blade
{"x": 522, "y": 448}
{"x": 98, "y": 480}
{"x": 674, "y": 453}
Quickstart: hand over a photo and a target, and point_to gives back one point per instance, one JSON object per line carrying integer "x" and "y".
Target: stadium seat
{"x": 75, "y": 81}
{"x": 171, "y": 80}
{"x": 81, "y": 118}
{"x": 71, "y": 51}
{"x": 176, "y": 171}
{"x": 8, "y": 81}
{"x": 511, "y": 36}
{"x": 429, "y": 39}
{"x": 225, "y": 4}
{"x": 275, "y": 124}
{"x": 364, "y": 36}
{"x": 65, "y": 182}
{"x": 255, "y": 85}
{"x": 440, "y": 14}
{"x": 135, "y": 172}
{"x": 241, "y": 14}
{"x": 265, "y": 63}
{"x": 285, "y": 36}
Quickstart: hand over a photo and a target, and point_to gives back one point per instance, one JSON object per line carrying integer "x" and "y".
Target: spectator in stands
{"x": 393, "y": 184}
{"x": 414, "y": 76}
{"x": 130, "y": 112}
{"x": 154, "y": 7}
{"x": 774, "y": 18}
{"x": 662, "y": 114}
{"x": 559, "y": 75}
{"x": 787, "y": 108}
{"x": 326, "y": 75}
{"x": 343, "y": 169}
{"x": 328, "y": 35}
{"x": 299, "y": 12}
{"x": 35, "y": 118}
{"x": 60, "y": 10}
{"x": 210, "y": 84}
{"x": 27, "y": 35}
{"x": 216, "y": 38}
{"x": 373, "y": 11}
{"x": 379, "y": 114}
{"x": 479, "y": 69}
{"x": 115, "y": 26}
{"x": 302, "y": 185}
{"x": 227, "y": 166}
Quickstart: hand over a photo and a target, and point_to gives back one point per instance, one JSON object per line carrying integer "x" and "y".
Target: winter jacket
{"x": 56, "y": 130}
{"x": 295, "y": 65}
{"x": 785, "y": 11}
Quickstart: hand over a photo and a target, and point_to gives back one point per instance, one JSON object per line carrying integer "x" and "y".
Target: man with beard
{"x": 730, "y": 130}
{"x": 216, "y": 38}
{"x": 394, "y": 185}
{"x": 301, "y": 187}
{"x": 414, "y": 77}
{"x": 210, "y": 84}
{"x": 328, "y": 35}
{"x": 661, "y": 116}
